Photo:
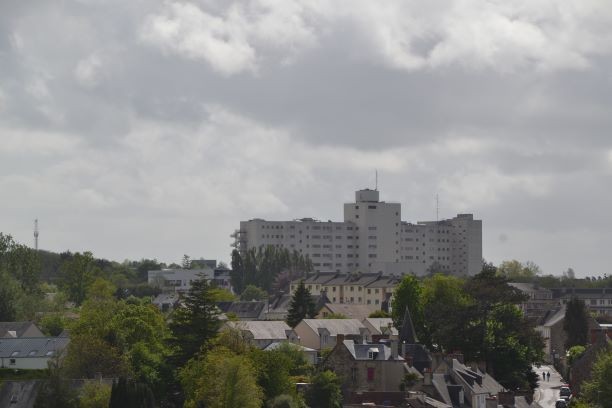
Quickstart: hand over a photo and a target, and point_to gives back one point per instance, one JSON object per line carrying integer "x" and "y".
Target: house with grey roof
{"x": 263, "y": 333}
{"x": 30, "y": 353}
{"x": 366, "y": 367}
{"x": 278, "y": 308}
{"x": 319, "y": 334}
{"x": 19, "y": 329}
{"x": 380, "y": 326}
{"x": 245, "y": 310}
{"x": 348, "y": 310}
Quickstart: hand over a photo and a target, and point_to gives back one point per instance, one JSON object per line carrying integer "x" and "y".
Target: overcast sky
{"x": 150, "y": 129}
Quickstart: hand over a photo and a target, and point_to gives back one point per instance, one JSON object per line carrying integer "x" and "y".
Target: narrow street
{"x": 548, "y": 392}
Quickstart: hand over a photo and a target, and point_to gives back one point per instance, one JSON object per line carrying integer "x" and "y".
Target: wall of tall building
{"x": 372, "y": 238}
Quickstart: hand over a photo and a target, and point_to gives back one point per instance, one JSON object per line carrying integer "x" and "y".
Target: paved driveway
{"x": 548, "y": 392}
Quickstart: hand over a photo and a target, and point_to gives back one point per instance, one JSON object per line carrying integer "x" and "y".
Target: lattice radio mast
{"x": 36, "y": 234}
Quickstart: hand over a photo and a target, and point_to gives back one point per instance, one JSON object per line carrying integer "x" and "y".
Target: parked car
{"x": 565, "y": 393}
{"x": 560, "y": 403}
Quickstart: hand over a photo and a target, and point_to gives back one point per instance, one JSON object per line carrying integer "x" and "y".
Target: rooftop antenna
{"x": 36, "y": 234}
{"x": 376, "y": 185}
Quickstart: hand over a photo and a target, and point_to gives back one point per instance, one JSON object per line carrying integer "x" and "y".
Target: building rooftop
{"x": 16, "y": 329}
{"x": 263, "y": 329}
{"x": 362, "y": 351}
{"x": 32, "y": 347}
{"x": 336, "y": 326}
{"x": 351, "y": 311}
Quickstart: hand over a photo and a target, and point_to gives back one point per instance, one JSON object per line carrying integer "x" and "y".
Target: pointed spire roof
{"x": 407, "y": 333}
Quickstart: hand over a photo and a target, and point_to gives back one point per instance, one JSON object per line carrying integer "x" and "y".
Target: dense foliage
{"x": 262, "y": 266}
{"x": 476, "y": 316}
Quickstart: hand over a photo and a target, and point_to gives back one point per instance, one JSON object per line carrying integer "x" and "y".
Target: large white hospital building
{"x": 373, "y": 238}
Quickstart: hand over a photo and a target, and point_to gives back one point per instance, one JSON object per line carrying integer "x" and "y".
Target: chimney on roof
{"x": 427, "y": 376}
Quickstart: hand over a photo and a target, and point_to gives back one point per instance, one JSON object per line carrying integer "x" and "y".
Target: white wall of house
{"x": 24, "y": 363}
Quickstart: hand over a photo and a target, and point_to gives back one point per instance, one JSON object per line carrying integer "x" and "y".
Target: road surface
{"x": 548, "y": 392}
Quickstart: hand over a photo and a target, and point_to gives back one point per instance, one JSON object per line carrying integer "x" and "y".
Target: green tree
{"x": 56, "y": 392}
{"x": 95, "y": 395}
{"x": 194, "y": 324}
{"x": 283, "y": 401}
{"x": 186, "y": 262}
{"x": 252, "y": 292}
{"x": 576, "y": 323}
{"x": 408, "y": 295}
{"x": 302, "y": 306}
{"x": 324, "y": 391}
{"x": 273, "y": 372}
{"x": 379, "y": 314}
{"x": 77, "y": 273}
{"x": 574, "y": 353}
{"x": 9, "y": 292}
{"x": 221, "y": 380}
{"x": 21, "y": 262}
{"x": 598, "y": 390}
{"x": 128, "y": 393}
{"x": 335, "y": 316}
{"x": 446, "y": 312}
{"x": 237, "y": 273}
{"x": 52, "y": 325}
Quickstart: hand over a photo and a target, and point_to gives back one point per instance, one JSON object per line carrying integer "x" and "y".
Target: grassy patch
{"x": 9, "y": 374}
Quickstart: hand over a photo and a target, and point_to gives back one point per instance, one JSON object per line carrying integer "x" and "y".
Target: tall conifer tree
{"x": 302, "y": 306}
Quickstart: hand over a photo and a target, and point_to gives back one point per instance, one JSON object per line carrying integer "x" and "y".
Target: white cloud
{"x": 406, "y": 35}
{"x": 88, "y": 70}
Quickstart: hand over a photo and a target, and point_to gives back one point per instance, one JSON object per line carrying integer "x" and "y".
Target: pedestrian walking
{"x": 548, "y": 376}
{"x": 543, "y": 376}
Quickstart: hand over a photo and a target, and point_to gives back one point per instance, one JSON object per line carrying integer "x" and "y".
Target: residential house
{"x": 551, "y": 329}
{"x": 245, "y": 310}
{"x": 178, "y": 280}
{"x": 30, "y": 353}
{"x": 19, "y": 329}
{"x": 319, "y": 334}
{"x": 458, "y": 385}
{"x": 310, "y": 355}
{"x": 278, "y": 307}
{"x": 540, "y": 300}
{"x": 314, "y": 283}
{"x": 366, "y": 366}
{"x": 166, "y": 301}
{"x": 380, "y": 292}
{"x": 347, "y": 310}
{"x": 598, "y": 300}
{"x": 381, "y": 327}
{"x": 263, "y": 333}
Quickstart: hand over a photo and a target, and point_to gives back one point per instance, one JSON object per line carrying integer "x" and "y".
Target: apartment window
{"x": 371, "y": 255}
{"x": 372, "y": 246}
{"x": 371, "y": 207}
{"x": 338, "y": 237}
{"x": 372, "y": 228}
{"x": 369, "y": 291}
{"x": 369, "y": 302}
{"x": 372, "y": 237}
{"x": 333, "y": 288}
{"x": 352, "y": 288}
{"x": 356, "y": 215}
{"x": 338, "y": 246}
{"x": 12, "y": 361}
{"x": 376, "y": 302}
{"x": 593, "y": 302}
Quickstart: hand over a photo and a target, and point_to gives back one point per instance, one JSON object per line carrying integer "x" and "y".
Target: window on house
{"x": 12, "y": 361}
{"x": 354, "y": 374}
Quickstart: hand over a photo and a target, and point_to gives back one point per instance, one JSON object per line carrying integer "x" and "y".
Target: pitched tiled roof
{"x": 336, "y": 326}
{"x": 17, "y": 327}
{"x": 263, "y": 329}
{"x": 32, "y": 346}
{"x": 362, "y": 351}
{"x": 380, "y": 323}
{"x": 350, "y": 310}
